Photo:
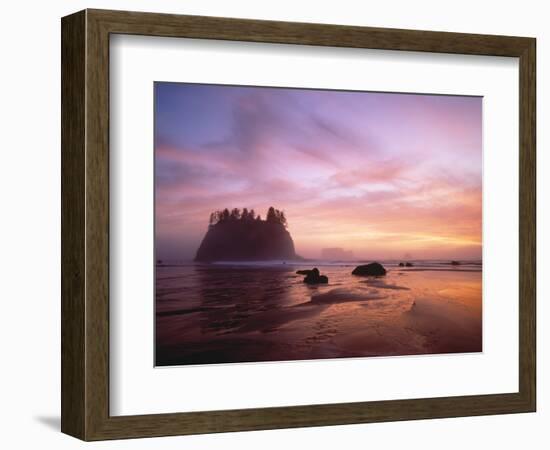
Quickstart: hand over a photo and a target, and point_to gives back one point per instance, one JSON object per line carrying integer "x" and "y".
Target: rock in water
{"x": 321, "y": 279}
{"x": 455, "y": 263}
{"x": 253, "y": 240}
{"x": 303, "y": 272}
{"x": 401, "y": 264}
{"x": 373, "y": 269}
{"x": 314, "y": 277}
{"x": 408, "y": 264}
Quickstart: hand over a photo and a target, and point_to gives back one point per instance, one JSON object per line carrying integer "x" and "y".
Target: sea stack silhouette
{"x": 242, "y": 236}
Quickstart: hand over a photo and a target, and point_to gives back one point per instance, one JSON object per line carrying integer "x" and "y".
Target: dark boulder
{"x": 303, "y": 272}
{"x": 455, "y": 263}
{"x": 314, "y": 277}
{"x": 408, "y": 264}
{"x": 372, "y": 269}
{"x": 321, "y": 279}
{"x": 401, "y": 264}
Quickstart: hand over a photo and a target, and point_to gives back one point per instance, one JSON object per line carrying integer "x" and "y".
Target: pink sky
{"x": 383, "y": 175}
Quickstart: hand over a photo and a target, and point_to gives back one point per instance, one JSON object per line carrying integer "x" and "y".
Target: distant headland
{"x": 241, "y": 235}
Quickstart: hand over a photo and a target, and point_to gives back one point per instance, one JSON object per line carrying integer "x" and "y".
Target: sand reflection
{"x": 219, "y": 314}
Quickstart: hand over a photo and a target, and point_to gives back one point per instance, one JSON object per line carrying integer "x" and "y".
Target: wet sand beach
{"x": 228, "y": 313}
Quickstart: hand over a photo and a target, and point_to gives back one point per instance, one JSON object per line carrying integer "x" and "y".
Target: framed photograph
{"x": 273, "y": 225}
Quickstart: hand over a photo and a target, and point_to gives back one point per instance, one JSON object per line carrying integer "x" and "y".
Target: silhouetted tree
{"x": 235, "y": 214}
{"x": 271, "y": 215}
{"x": 225, "y": 214}
{"x": 282, "y": 219}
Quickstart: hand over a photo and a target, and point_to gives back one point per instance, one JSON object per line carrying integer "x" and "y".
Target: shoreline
{"x": 418, "y": 265}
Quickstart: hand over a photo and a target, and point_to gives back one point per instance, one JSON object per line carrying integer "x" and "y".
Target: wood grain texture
{"x": 527, "y": 224}
{"x": 97, "y": 225}
{"x": 151, "y": 24}
{"x": 73, "y": 226}
{"x": 85, "y": 224}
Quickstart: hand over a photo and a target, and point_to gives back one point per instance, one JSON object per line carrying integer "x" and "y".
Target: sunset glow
{"x": 383, "y": 175}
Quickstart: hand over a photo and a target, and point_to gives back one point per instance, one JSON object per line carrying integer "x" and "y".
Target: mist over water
{"x": 252, "y": 312}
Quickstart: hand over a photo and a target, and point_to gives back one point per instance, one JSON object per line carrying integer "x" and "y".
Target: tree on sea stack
{"x": 271, "y": 216}
{"x": 235, "y": 214}
{"x": 276, "y": 216}
{"x": 282, "y": 219}
{"x": 224, "y": 215}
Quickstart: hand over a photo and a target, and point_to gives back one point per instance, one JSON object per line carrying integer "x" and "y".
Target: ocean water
{"x": 251, "y": 312}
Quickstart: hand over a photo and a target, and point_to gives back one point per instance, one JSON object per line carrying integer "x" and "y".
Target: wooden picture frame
{"x": 85, "y": 224}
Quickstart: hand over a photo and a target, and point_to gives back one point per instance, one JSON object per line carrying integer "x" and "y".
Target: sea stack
{"x": 242, "y": 236}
